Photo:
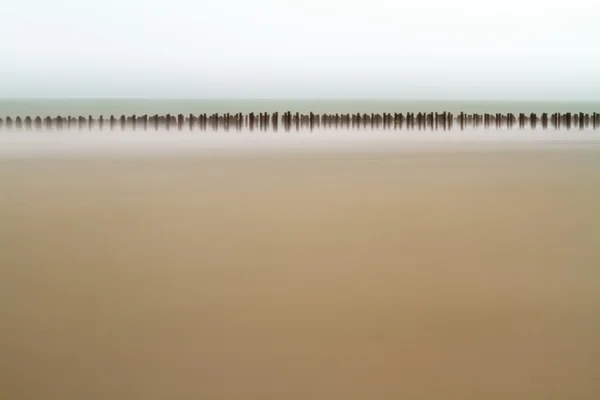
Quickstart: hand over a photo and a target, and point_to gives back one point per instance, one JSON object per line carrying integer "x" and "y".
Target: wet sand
{"x": 382, "y": 275}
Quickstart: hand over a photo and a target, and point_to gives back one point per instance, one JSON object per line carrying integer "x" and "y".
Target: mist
{"x": 432, "y": 49}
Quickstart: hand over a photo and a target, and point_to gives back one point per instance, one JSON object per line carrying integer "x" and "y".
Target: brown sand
{"x": 376, "y": 276}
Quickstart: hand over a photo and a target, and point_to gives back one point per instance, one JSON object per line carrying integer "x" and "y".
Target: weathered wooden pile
{"x": 297, "y": 121}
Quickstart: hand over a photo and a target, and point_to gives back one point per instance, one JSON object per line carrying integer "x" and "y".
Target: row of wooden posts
{"x": 296, "y": 121}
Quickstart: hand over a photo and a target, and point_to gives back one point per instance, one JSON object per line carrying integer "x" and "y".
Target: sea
{"x": 109, "y": 106}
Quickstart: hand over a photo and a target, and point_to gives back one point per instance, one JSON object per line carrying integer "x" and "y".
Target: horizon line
{"x": 297, "y": 99}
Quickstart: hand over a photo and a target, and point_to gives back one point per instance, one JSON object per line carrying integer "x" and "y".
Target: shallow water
{"x": 129, "y": 142}
{"x": 462, "y": 274}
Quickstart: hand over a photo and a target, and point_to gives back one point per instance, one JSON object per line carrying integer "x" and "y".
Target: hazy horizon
{"x": 293, "y": 98}
{"x": 382, "y": 49}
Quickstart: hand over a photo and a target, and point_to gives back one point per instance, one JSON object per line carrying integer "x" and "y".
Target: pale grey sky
{"x": 425, "y": 49}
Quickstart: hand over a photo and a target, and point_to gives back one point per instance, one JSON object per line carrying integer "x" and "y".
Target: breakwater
{"x": 289, "y": 121}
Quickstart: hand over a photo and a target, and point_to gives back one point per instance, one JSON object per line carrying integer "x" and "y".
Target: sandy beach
{"x": 357, "y": 275}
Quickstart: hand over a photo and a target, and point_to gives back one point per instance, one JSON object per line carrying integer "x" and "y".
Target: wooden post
{"x": 311, "y": 120}
{"x": 521, "y": 120}
{"x": 544, "y": 120}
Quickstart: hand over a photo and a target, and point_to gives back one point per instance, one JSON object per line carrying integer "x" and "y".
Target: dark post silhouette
{"x": 310, "y": 120}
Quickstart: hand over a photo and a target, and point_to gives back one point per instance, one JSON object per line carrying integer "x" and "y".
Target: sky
{"x": 425, "y": 49}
